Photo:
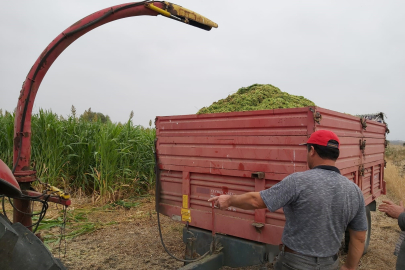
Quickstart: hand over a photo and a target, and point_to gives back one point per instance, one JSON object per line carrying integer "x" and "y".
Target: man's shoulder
{"x": 314, "y": 173}
{"x": 320, "y": 174}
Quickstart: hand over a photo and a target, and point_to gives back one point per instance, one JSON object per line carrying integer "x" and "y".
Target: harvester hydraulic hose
{"x": 157, "y": 192}
{"x": 41, "y": 214}
{"x": 171, "y": 255}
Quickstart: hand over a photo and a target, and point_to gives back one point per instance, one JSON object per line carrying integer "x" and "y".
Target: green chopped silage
{"x": 257, "y": 97}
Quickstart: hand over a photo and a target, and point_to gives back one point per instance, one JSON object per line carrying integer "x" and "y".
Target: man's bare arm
{"x": 391, "y": 209}
{"x": 356, "y": 248}
{"x": 247, "y": 201}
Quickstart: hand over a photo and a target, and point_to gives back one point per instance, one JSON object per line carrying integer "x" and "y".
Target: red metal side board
{"x": 200, "y": 156}
{"x": 349, "y": 126}
{"x": 257, "y": 123}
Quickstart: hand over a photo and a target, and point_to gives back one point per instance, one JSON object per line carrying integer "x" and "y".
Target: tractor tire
{"x": 20, "y": 249}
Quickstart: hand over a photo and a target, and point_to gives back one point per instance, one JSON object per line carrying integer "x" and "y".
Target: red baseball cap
{"x": 324, "y": 138}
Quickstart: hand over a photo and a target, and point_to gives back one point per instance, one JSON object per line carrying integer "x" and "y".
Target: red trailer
{"x": 200, "y": 156}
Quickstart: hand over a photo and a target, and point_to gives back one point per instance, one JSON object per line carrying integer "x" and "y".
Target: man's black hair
{"x": 325, "y": 152}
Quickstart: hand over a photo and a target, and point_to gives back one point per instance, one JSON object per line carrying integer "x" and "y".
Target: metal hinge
{"x": 362, "y": 145}
{"x": 258, "y": 226}
{"x": 317, "y": 115}
{"x": 361, "y": 170}
{"x": 363, "y": 122}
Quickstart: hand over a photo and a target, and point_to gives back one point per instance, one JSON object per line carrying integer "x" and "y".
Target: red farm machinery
{"x": 19, "y": 247}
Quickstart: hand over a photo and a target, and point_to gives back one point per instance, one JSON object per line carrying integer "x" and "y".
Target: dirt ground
{"x": 132, "y": 242}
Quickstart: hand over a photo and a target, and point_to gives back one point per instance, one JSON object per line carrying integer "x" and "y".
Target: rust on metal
{"x": 21, "y": 216}
{"x": 362, "y": 145}
{"x": 363, "y": 122}
{"x": 317, "y": 115}
{"x": 17, "y": 142}
{"x": 361, "y": 170}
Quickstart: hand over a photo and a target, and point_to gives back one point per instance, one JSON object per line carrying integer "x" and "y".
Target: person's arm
{"x": 356, "y": 248}
{"x": 391, "y": 209}
{"x": 357, "y": 228}
{"x": 247, "y": 201}
{"x": 282, "y": 193}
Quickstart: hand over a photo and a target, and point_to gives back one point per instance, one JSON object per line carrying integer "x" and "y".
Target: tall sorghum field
{"x": 106, "y": 159}
{"x": 394, "y": 174}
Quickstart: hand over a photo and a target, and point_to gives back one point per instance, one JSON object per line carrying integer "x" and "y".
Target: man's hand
{"x": 222, "y": 202}
{"x": 391, "y": 209}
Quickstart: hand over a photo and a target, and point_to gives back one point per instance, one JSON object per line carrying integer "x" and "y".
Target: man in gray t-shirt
{"x": 319, "y": 205}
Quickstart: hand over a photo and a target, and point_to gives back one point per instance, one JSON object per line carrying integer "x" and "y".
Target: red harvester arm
{"x": 22, "y": 126}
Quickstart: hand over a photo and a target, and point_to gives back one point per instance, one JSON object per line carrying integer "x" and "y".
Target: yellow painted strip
{"x": 185, "y": 201}
{"x": 158, "y": 10}
{"x": 59, "y": 192}
{"x": 177, "y": 10}
{"x": 185, "y": 215}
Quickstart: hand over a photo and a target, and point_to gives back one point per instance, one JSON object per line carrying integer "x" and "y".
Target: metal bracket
{"x": 361, "y": 170}
{"x": 191, "y": 252}
{"x": 362, "y": 145}
{"x": 258, "y": 175}
{"x": 317, "y": 116}
{"x": 363, "y": 122}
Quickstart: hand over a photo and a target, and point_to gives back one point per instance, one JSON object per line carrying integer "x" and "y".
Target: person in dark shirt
{"x": 398, "y": 212}
{"x": 319, "y": 205}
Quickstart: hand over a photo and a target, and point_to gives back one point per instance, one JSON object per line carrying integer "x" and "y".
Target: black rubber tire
{"x": 368, "y": 233}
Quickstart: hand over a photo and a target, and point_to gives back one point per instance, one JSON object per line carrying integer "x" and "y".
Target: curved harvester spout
{"x": 22, "y": 127}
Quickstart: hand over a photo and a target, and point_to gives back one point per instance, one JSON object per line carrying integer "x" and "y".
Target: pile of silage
{"x": 257, "y": 97}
